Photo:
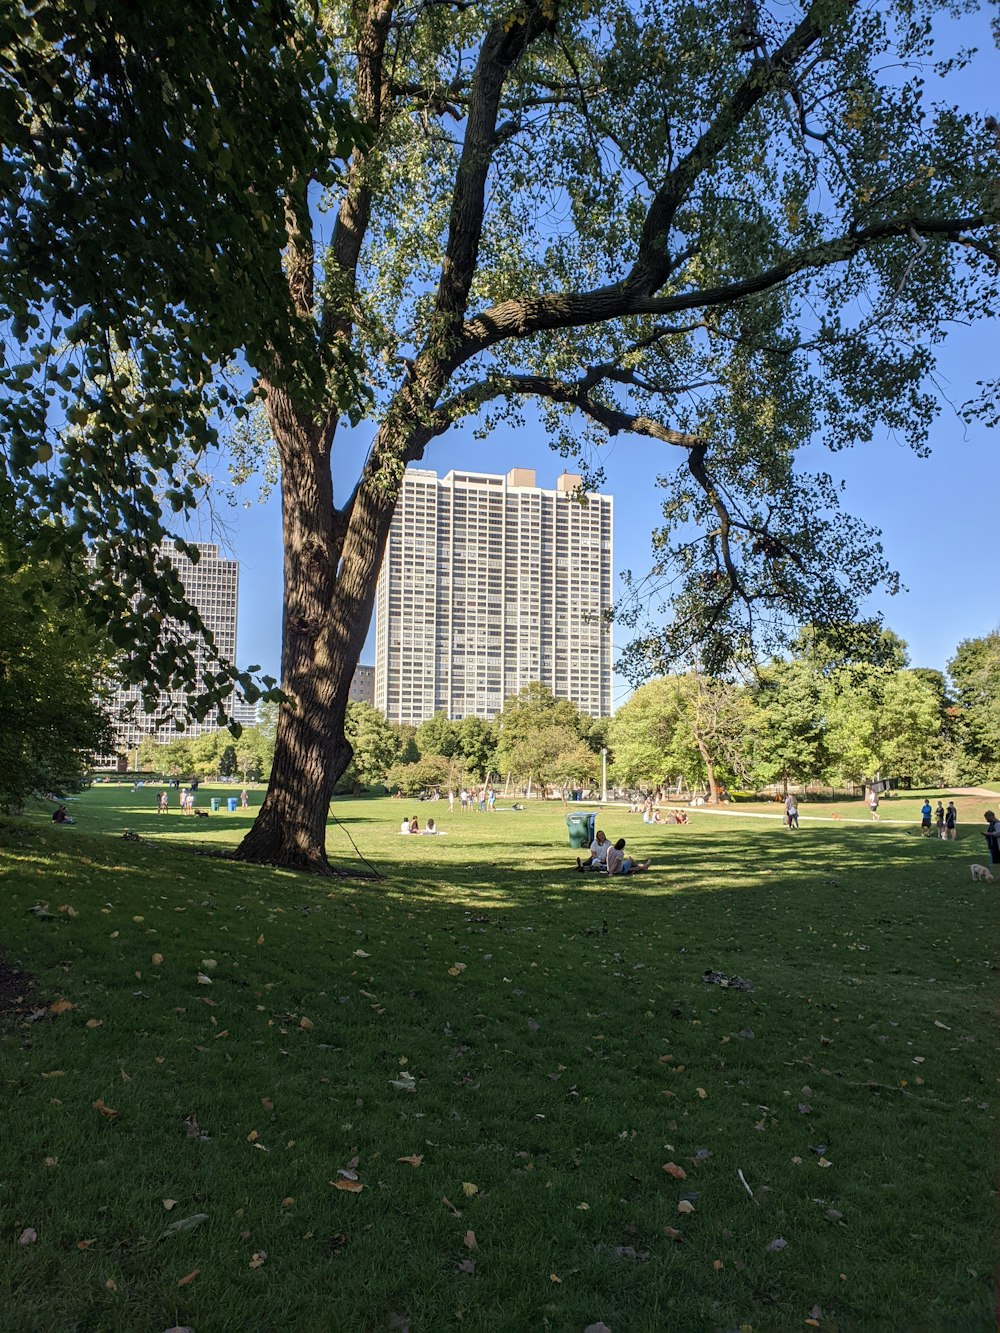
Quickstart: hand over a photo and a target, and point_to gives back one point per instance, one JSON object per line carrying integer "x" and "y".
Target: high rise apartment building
{"x": 212, "y": 586}
{"x": 489, "y": 583}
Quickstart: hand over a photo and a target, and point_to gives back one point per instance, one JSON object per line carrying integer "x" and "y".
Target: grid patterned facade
{"x": 489, "y": 583}
{"x": 362, "y": 689}
{"x": 212, "y": 586}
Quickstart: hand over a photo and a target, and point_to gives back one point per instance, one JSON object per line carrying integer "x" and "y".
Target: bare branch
{"x": 577, "y": 394}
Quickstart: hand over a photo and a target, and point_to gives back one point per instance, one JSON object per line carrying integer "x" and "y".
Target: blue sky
{"x": 938, "y": 515}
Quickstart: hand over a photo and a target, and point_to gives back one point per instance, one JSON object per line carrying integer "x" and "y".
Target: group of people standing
{"x": 481, "y": 799}
{"x": 945, "y": 819}
{"x": 609, "y": 858}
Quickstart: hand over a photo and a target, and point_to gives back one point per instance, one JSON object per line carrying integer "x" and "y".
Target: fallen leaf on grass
{"x": 718, "y": 1265}
{"x": 55, "y": 1073}
{"x": 360, "y": 953}
{"x": 51, "y": 1161}
{"x": 351, "y": 1186}
{"x": 60, "y": 1006}
{"x": 469, "y": 1240}
{"x": 188, "y": 1277}
{"x": 456, "y": 970}
{"x": 468, "y": 1189}
{"x": 405, "y": 1082}
{"x": 28, "y": 1236}
{"x": 413, "y": 1161}
{"x": 673, "y": 1233}
{"x": 260, "y": 939}
{"x": 824, "y": 1162}
{"x": 672, "y": 1169}
{"x": 203, "y": 980}
{"x": 111, "y": 1284}
{"x": 106, "y": 1111}
{"x": 779, "y": 1243}
{"x": 258, "y": 1258}
{"x": 451, "y": 1207}
{"x": 466, "y": 1265}
{"x": 685, "y": 1206}
{"x": 169, "y": 1203}
{"x": 86, "y": 1244}
{"x": 701, "y": 1093}
{"x": 554, "y": 1278}
{"x": 939, "y": 1024}
{"x": 287, "y": 1202}
{"x": 95, "y": 1022}
{"x": 306, "y": 1024}
{"x": 156, "y": 959}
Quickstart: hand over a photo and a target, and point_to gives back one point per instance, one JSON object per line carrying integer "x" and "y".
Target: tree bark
{"x": 713, "y": 788}
{"x": 331, "y": 567}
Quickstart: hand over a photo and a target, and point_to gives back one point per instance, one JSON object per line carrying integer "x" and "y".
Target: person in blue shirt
{"x": 925, "y": 818}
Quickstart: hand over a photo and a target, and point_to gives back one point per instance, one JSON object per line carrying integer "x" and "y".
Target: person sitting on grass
{"x": 62, "y": 816}
{"x": 598, "y": 859}
{"x": 405, "y": 825}
{"x": 620, "y": 864}
{"x": 414, "y": 825}
{"x": 431, "y": 828}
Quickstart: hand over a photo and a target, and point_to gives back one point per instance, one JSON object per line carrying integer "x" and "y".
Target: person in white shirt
{"x": 598, "y": 854}
{"x": 405, "y": 826}
{"x": 620, "y": 864}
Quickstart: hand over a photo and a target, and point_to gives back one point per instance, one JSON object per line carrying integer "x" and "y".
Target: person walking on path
{"x": 992, "y": 835}
{"x": 925, "y": 818}
{"x": 791, "y": 812}
{"x": 873, "y": 803}
{"x": 950, "y": 822}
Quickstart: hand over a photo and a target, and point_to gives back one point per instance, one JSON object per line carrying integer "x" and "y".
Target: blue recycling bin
{"x": 231, "y": 803}
{"x": 581, "y": 829}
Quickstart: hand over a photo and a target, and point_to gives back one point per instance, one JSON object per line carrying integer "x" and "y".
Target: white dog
{"x": 982, "y": 873}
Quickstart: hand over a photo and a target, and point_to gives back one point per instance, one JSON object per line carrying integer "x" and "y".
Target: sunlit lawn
{"x": 835, "y": 1124}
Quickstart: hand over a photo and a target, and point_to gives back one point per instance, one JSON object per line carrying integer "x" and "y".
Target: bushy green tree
{"x": 53, "y": 719}
{"x": 437, "y": 735}
{"x": 975, "y": 673}
{"x": 423, "y": 775}
{"x": 375, "y": 743}
{"x": 786, "y": 739}
{"x": 879, "y": 722}
{"x": 475, "y": 747}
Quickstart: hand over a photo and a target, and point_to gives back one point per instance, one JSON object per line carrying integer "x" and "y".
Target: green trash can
{"x": 581, "y": 830}
{"x": 215, "y": 803}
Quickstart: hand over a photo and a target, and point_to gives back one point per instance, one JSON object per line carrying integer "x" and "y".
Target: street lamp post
{"x": 604, "y": 774}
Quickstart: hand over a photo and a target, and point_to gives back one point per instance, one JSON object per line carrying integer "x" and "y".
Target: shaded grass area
{"x": 563, "y": 1047}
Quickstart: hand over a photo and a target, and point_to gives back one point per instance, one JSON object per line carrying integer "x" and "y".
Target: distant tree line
{"x": 817, "y": 717}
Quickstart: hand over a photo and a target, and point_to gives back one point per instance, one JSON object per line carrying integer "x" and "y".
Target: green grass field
{"x": 447, "y": 1100}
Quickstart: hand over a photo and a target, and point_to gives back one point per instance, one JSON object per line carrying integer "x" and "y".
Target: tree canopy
{"x": 727, "y": 230}
{"x": 52, "y": 664}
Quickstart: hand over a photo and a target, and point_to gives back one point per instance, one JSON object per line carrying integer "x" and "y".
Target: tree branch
{"x": 576, "y": 395}
{"x": 558, "y": 310}
{"x": 503, "y": 47}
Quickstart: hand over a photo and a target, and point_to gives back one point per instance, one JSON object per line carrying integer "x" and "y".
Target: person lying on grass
{"x": 620, "y": 864}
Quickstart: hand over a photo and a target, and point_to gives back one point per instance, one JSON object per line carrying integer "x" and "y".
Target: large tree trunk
{"x": 332, "y": 562}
